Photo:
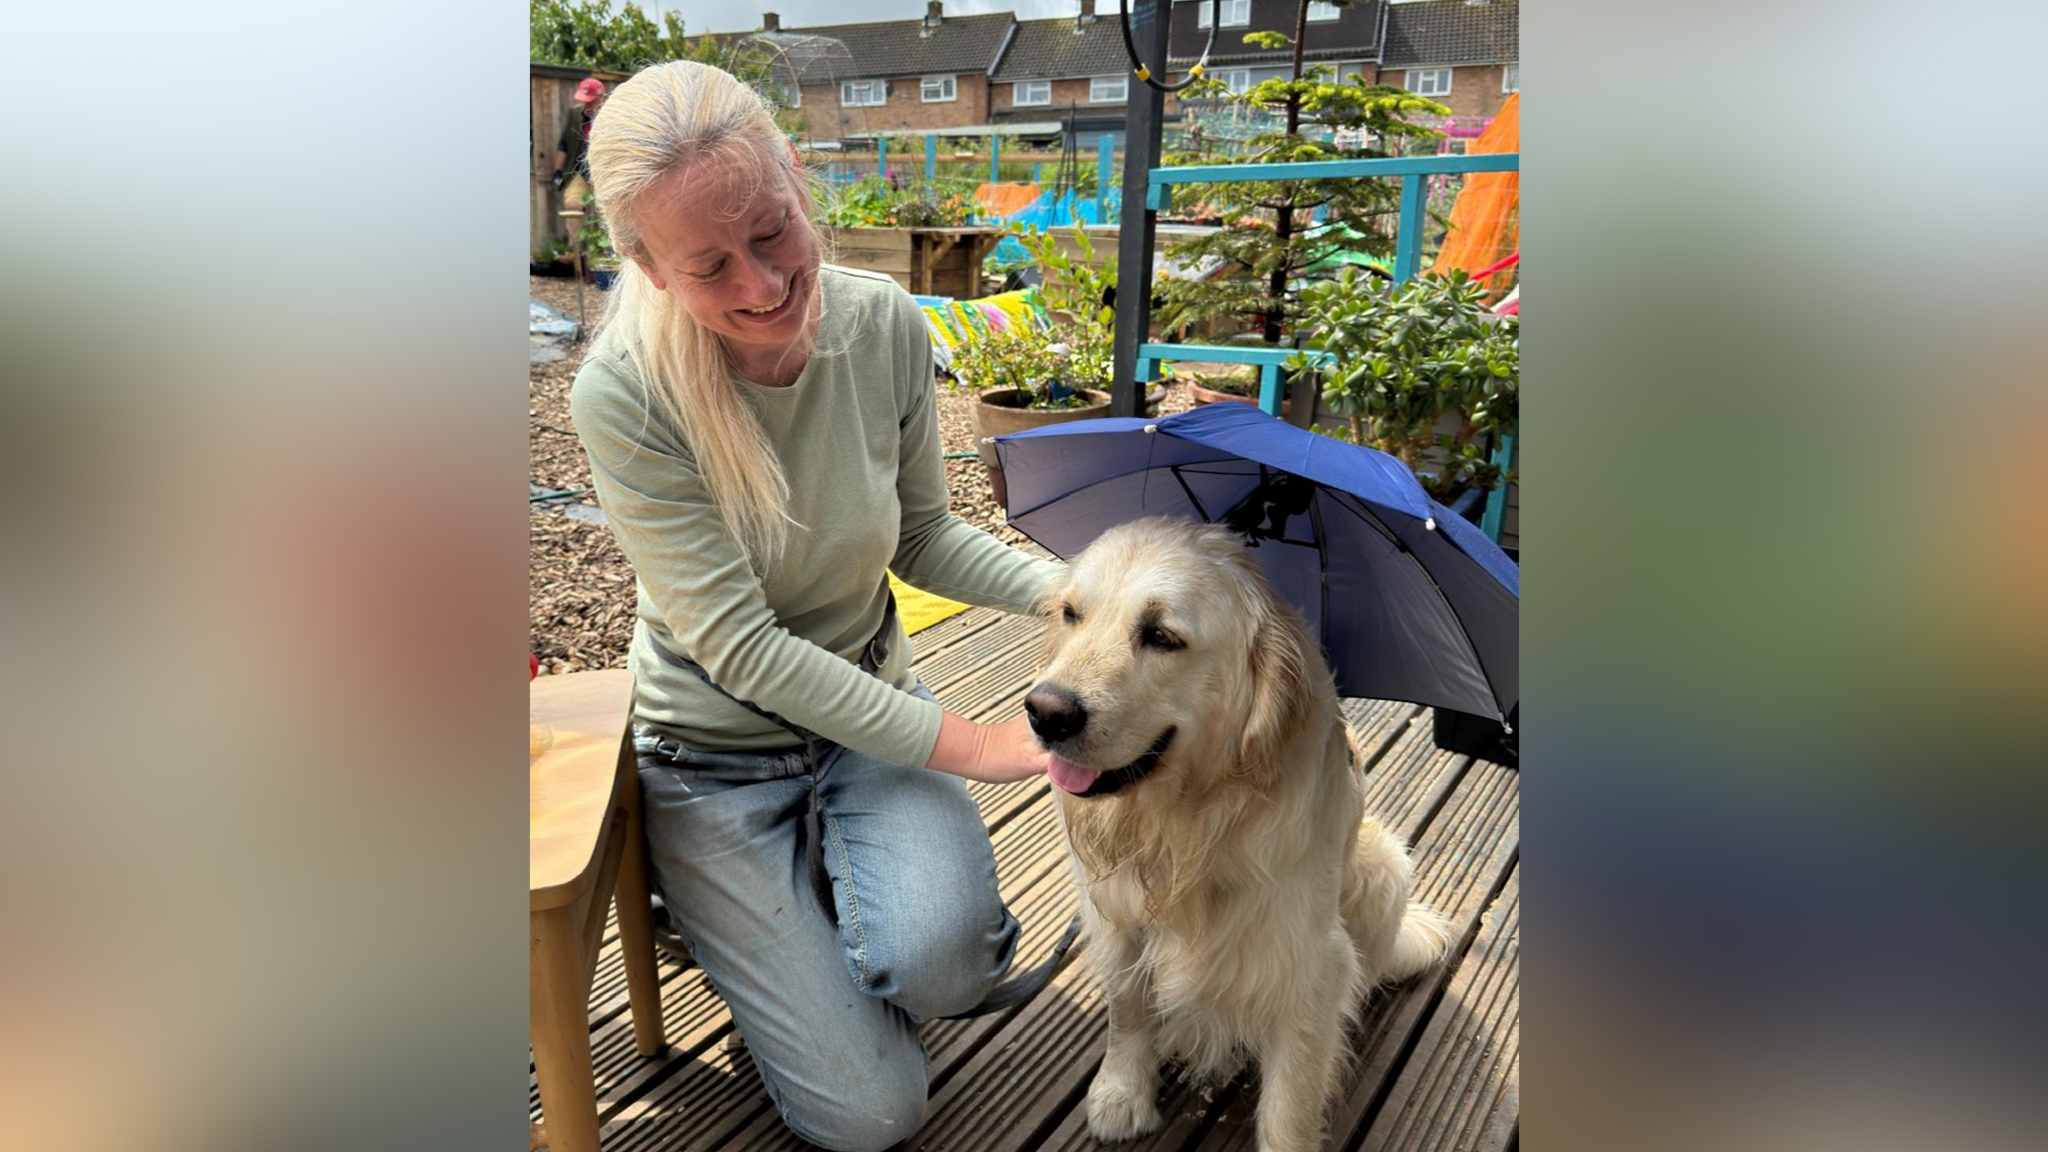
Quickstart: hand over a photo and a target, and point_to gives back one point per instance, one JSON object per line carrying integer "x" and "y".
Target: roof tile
{"x": 1453, "y": 32}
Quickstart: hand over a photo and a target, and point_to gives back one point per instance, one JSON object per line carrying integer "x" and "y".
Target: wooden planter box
{"x": 926, "y": 261}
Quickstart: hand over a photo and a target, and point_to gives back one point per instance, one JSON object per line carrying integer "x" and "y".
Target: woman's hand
{"x": 994, "y": 753}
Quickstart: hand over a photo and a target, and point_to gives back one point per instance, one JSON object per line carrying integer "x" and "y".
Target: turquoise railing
{"x": 1413, "y": 172}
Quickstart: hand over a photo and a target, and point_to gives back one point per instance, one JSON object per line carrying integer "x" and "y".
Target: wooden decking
{"x": 1438, "y": 1059}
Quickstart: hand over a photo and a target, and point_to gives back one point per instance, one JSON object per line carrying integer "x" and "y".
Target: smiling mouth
{"x": 1088, "y": 783}
{"x": 788, "y": 290}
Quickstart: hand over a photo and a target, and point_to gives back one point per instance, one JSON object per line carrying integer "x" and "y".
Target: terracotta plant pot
{"x": 1000, "y": 411}
{"x": 1211, "y": 396}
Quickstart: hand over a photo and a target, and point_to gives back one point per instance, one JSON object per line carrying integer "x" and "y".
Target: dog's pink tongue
{"x": 1070, "y": 776}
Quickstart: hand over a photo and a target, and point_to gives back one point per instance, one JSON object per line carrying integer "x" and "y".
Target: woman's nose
{"x": 761, "y": 282}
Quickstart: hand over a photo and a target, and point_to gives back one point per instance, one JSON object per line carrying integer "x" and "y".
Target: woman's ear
{"x": 653, "y": 277}
{"x": 795, "y": 156}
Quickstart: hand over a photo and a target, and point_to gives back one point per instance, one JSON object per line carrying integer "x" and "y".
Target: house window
{"x": 1236, "y": 13}
{"x": 862, "y": 93}
{"x": 1429, "y": 81}
{"x": 1031, "y": 92}
{"x": 1317, "y": 11}
{"x": 1511, "y": 78}
{"x": 1109, "y": 89}
{"x": 936, "y": 89}
{"x": 1235, "y": 79}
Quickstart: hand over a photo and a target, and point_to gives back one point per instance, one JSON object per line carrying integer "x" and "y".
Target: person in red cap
{"x": 572, "y": 155}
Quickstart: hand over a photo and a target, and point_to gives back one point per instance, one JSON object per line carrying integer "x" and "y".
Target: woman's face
{"x": 735, "y": 249}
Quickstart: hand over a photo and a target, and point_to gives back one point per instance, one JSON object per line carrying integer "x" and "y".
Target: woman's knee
{"x": 868, "y": 1113}
{"x": 946, "y": 971}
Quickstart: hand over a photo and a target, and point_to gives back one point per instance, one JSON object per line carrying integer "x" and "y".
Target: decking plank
{"x": 1461, "y": 1088}
{"x": 1031, "y": 864}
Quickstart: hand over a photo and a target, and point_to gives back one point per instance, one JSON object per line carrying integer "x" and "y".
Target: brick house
{"x": 1070, "y": 68}
{"x": 1347, "y": 39}
{"x": 1464, "y": 54}
{"x": 907, "y": 76}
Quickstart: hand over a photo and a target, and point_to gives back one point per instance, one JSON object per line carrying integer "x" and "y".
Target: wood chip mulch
{"x": 581, "y": 594}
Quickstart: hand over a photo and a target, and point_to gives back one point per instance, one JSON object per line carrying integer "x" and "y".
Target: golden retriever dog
{"x": 1238, "y": 900}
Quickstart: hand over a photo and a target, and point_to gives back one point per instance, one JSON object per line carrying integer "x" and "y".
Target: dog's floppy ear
{"x": 1279, "y": 678}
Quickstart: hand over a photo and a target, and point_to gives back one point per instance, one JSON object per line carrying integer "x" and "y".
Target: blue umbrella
{"x": 1411, "y": 602}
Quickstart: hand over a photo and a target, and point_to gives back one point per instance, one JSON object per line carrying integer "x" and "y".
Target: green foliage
{"x": 591, "y": 35}
{"x": 871, "y": 203}
{"x": 1074, "y": 352}
{"x": 595, "y": 238}
{"x": 1268, "y": 243}
{"x": 1243, "y": 380}
{"x": 1403, "y": 357}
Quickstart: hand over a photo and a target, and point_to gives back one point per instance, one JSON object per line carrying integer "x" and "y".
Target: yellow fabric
{"x": 1486, "y": 222}
{"x": 918, "y": 609}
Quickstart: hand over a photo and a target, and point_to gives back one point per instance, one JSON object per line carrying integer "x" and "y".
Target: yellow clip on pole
{"x": 1195, "y": 71}
{"x": 1144, "y": 73}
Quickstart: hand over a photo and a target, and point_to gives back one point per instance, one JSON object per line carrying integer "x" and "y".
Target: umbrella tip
{"x": 1151, "y": 428}
{"x": 1430, "y": 523}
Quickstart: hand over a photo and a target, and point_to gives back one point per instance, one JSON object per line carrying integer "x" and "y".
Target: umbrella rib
{"x": 1192, "y": 498}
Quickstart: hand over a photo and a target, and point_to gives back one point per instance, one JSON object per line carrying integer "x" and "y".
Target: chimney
{"x": 1087, "y": 15}
{"x": 933, "y": 17}
{"x": 771, "y": 22}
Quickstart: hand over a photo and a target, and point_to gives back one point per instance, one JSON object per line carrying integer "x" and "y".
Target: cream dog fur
{"x": 1238, "y": 901}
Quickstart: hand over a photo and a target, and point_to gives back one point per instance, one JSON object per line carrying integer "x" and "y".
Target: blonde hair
{"x": 664, "y": 118}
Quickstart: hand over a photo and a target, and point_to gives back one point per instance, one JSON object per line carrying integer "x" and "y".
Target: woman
{"x": 764, "y": 439}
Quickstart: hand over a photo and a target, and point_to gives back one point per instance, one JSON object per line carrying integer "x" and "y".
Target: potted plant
{"x": 1240, "y": 383}
{"x": 596, "y": 241}
{"x": 1421, "y": 371}
{"x": 1028, "y": 377}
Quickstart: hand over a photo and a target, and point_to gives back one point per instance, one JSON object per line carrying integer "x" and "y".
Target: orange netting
{"x": 1003, "y": 199}
{"x": 1486, "y": 222}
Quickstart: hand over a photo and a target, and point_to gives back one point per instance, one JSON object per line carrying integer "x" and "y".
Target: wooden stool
{"x": 584, "y": 840}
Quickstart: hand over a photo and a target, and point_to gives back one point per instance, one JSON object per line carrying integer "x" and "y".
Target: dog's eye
{"x": 1067, "y": 614}
{"x": 1156, "y": 637}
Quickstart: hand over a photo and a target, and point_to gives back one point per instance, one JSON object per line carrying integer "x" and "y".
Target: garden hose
{"x": 1123, "y": 8}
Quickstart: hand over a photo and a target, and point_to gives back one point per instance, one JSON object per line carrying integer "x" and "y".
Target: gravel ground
{"x": 581, "y": 593}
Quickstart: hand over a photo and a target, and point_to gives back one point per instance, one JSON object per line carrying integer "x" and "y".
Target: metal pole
{"x": 1147, "y": 109}
{"x": 931, "y": 158}
{"x": 995, "y": 153}
{"x": 881, "y": 156}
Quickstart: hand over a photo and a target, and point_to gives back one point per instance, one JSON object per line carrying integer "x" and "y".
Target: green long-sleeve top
{"x": 858, "y": 438}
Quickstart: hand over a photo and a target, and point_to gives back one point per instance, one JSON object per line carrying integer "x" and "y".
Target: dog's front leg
{"x": 1123, "y": 1101}
{"x": 1297, "y": 1070}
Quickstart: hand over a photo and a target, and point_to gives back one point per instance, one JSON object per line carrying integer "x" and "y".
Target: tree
{"x": 1270, "y": 241}
{"x": 590, "y": 35}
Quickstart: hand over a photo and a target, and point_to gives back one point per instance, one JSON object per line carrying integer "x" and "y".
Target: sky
{"x": 745, "y": 15}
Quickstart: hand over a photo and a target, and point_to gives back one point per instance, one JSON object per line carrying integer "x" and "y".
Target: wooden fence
{"x": 553, "y": 104}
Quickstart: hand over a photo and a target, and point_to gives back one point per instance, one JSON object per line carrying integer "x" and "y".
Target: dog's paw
{"x": 1120, "y": 1110}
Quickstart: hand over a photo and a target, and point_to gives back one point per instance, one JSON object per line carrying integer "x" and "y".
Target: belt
{"x": 872, "y": 657}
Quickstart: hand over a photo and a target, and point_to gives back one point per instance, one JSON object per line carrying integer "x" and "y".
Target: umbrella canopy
{"x": 1410, "y": 601}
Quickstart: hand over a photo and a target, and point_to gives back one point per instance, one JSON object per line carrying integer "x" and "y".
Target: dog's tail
{"x": 1396, "y": 936}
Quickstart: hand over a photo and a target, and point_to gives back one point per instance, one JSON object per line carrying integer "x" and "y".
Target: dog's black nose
{"x": 1056, "y": 713}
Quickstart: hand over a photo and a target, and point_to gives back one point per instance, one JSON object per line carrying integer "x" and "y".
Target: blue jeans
{"x": 829, "y": 1013}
